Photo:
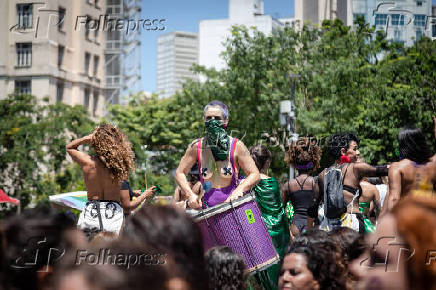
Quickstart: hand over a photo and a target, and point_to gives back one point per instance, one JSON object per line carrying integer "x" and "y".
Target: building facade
{"x": 212, "y": 33}
{"x": 403, "y": 21}
{"x": 176, "y": 53}
{"x": 48, "y": 50}
{"x": 122, "y": 52}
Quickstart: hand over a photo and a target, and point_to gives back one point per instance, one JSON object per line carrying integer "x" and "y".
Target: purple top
{"x": 214, "y": 196}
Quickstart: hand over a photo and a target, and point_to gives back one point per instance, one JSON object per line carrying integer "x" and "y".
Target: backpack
{"x": 334, "y": 203}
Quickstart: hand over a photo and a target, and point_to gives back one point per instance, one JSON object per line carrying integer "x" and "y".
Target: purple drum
{"x": 239, "y": 225}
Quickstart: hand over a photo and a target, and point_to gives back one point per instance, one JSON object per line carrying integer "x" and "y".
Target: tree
{"x": 33, "y": 136}
{"x": 352, "y": 79}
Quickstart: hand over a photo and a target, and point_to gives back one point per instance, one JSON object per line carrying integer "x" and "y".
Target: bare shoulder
{"x": 240, "y": 147}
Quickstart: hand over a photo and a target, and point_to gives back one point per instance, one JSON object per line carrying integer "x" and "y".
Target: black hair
{"x": 34, "y": 236}
{"x": 412, "y": 145}
{"x": 261, "y": 156}
{"x": 171, "y": 231}
{"x": 339, "y": 141}
{"x": 352, "y": 243}
{"x": 226, "y": 269}
{"x": 323, "y": 264}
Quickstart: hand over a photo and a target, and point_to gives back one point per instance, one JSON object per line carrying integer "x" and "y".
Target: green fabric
{"x": 369, "y": 227}
{"x": 273, "y": 214}
{"x": 217, "y": 139}
{"x": 290, "y": 211}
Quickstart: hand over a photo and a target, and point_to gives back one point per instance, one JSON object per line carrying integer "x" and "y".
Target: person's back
{"x": 301, "y": 193}
{"x": 417, "y": 167}
{"x": 103, "y": 174}
{"x": 99, "y": 183}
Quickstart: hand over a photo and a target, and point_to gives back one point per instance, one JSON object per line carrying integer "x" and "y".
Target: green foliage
{"x": 351, "y": 79}
{"x": 33, "y": 136}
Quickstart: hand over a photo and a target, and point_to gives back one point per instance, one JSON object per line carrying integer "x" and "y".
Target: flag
{"x": 6, "y": 198}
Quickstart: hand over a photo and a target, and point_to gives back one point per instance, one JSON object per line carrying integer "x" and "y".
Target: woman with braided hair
{"x": 103, "y": 174}
{"x": 301, "y": 191}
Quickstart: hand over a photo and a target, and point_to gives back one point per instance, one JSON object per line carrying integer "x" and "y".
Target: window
{"x": 62, "y": 12}
{"x": 96, "y": 36}
{"x": 381, "y": 19}
{"x": 397, "y": 36}
{"x": 25, "y": 15}
{"x": 96, "y": 61}
{"x": 59, "y": 92}
{"x": 433, "y": 30}
{"x": 86, "y": 99}
{"x": 95, "y": 105}
{"x": 61, "y": 51}
{"x": 87, "y": 60}
{"x": 419, "y": 20}
{"x": 24, "y": 54}
{"x": 418, "y": 34}
{"x": 397, "y": 20}
{"x": 418, "y": 3}
{"x": 23, "y": 87}
{"x": 87, "y": 27}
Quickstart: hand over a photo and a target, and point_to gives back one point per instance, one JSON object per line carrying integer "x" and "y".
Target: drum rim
{"x": 220, "y": 208}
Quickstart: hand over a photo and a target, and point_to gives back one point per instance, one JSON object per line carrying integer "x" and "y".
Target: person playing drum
{"x": 219, "y": 158}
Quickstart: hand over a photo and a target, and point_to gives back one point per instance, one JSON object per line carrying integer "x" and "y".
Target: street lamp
{"x": 287, "y": 117}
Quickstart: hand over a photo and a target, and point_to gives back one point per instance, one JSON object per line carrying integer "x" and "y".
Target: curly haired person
{"x": 301, "y": 191}
{"x": 103, "y": 174}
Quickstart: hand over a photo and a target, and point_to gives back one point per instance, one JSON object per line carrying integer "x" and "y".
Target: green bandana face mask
{"x": 217, "y": 139}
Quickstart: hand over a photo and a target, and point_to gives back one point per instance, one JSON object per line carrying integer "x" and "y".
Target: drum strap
{"x": 199, "y": 160}
{"x": 232, "y": 160}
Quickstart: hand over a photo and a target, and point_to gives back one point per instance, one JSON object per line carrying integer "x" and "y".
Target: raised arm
{"x": 81, "y": 158}
{"x": 246, "y": 163}
{"x": 365, "y": 170}
{"x": 186, "y": 163}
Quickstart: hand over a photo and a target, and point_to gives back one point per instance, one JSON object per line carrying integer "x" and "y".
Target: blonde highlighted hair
{"x": 114, "y": 150}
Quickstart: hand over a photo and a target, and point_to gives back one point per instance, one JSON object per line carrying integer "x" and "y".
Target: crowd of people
{"x": 351, "y": 226}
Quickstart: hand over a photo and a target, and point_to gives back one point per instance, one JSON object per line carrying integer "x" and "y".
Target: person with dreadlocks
{"x": 301, "y": 191}
{"x": 103, "y": 174}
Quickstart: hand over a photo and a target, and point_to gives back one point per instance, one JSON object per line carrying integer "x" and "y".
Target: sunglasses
{"x": 213, "y": 117}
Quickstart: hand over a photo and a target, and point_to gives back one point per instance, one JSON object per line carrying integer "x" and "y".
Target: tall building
{"x": 47, "y": 49}
{"x": 212, "y": 33}
{"x": 433, "y": 22}
{"x": 122, "y": 53}
{"x": 176, "y": 53}
{"x": 403, "y": 21}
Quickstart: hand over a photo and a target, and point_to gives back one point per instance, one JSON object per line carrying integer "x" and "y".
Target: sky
{"x": 184, "y": 15}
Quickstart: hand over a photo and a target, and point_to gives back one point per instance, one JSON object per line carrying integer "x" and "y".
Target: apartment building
{"x": 54, "y": 49}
